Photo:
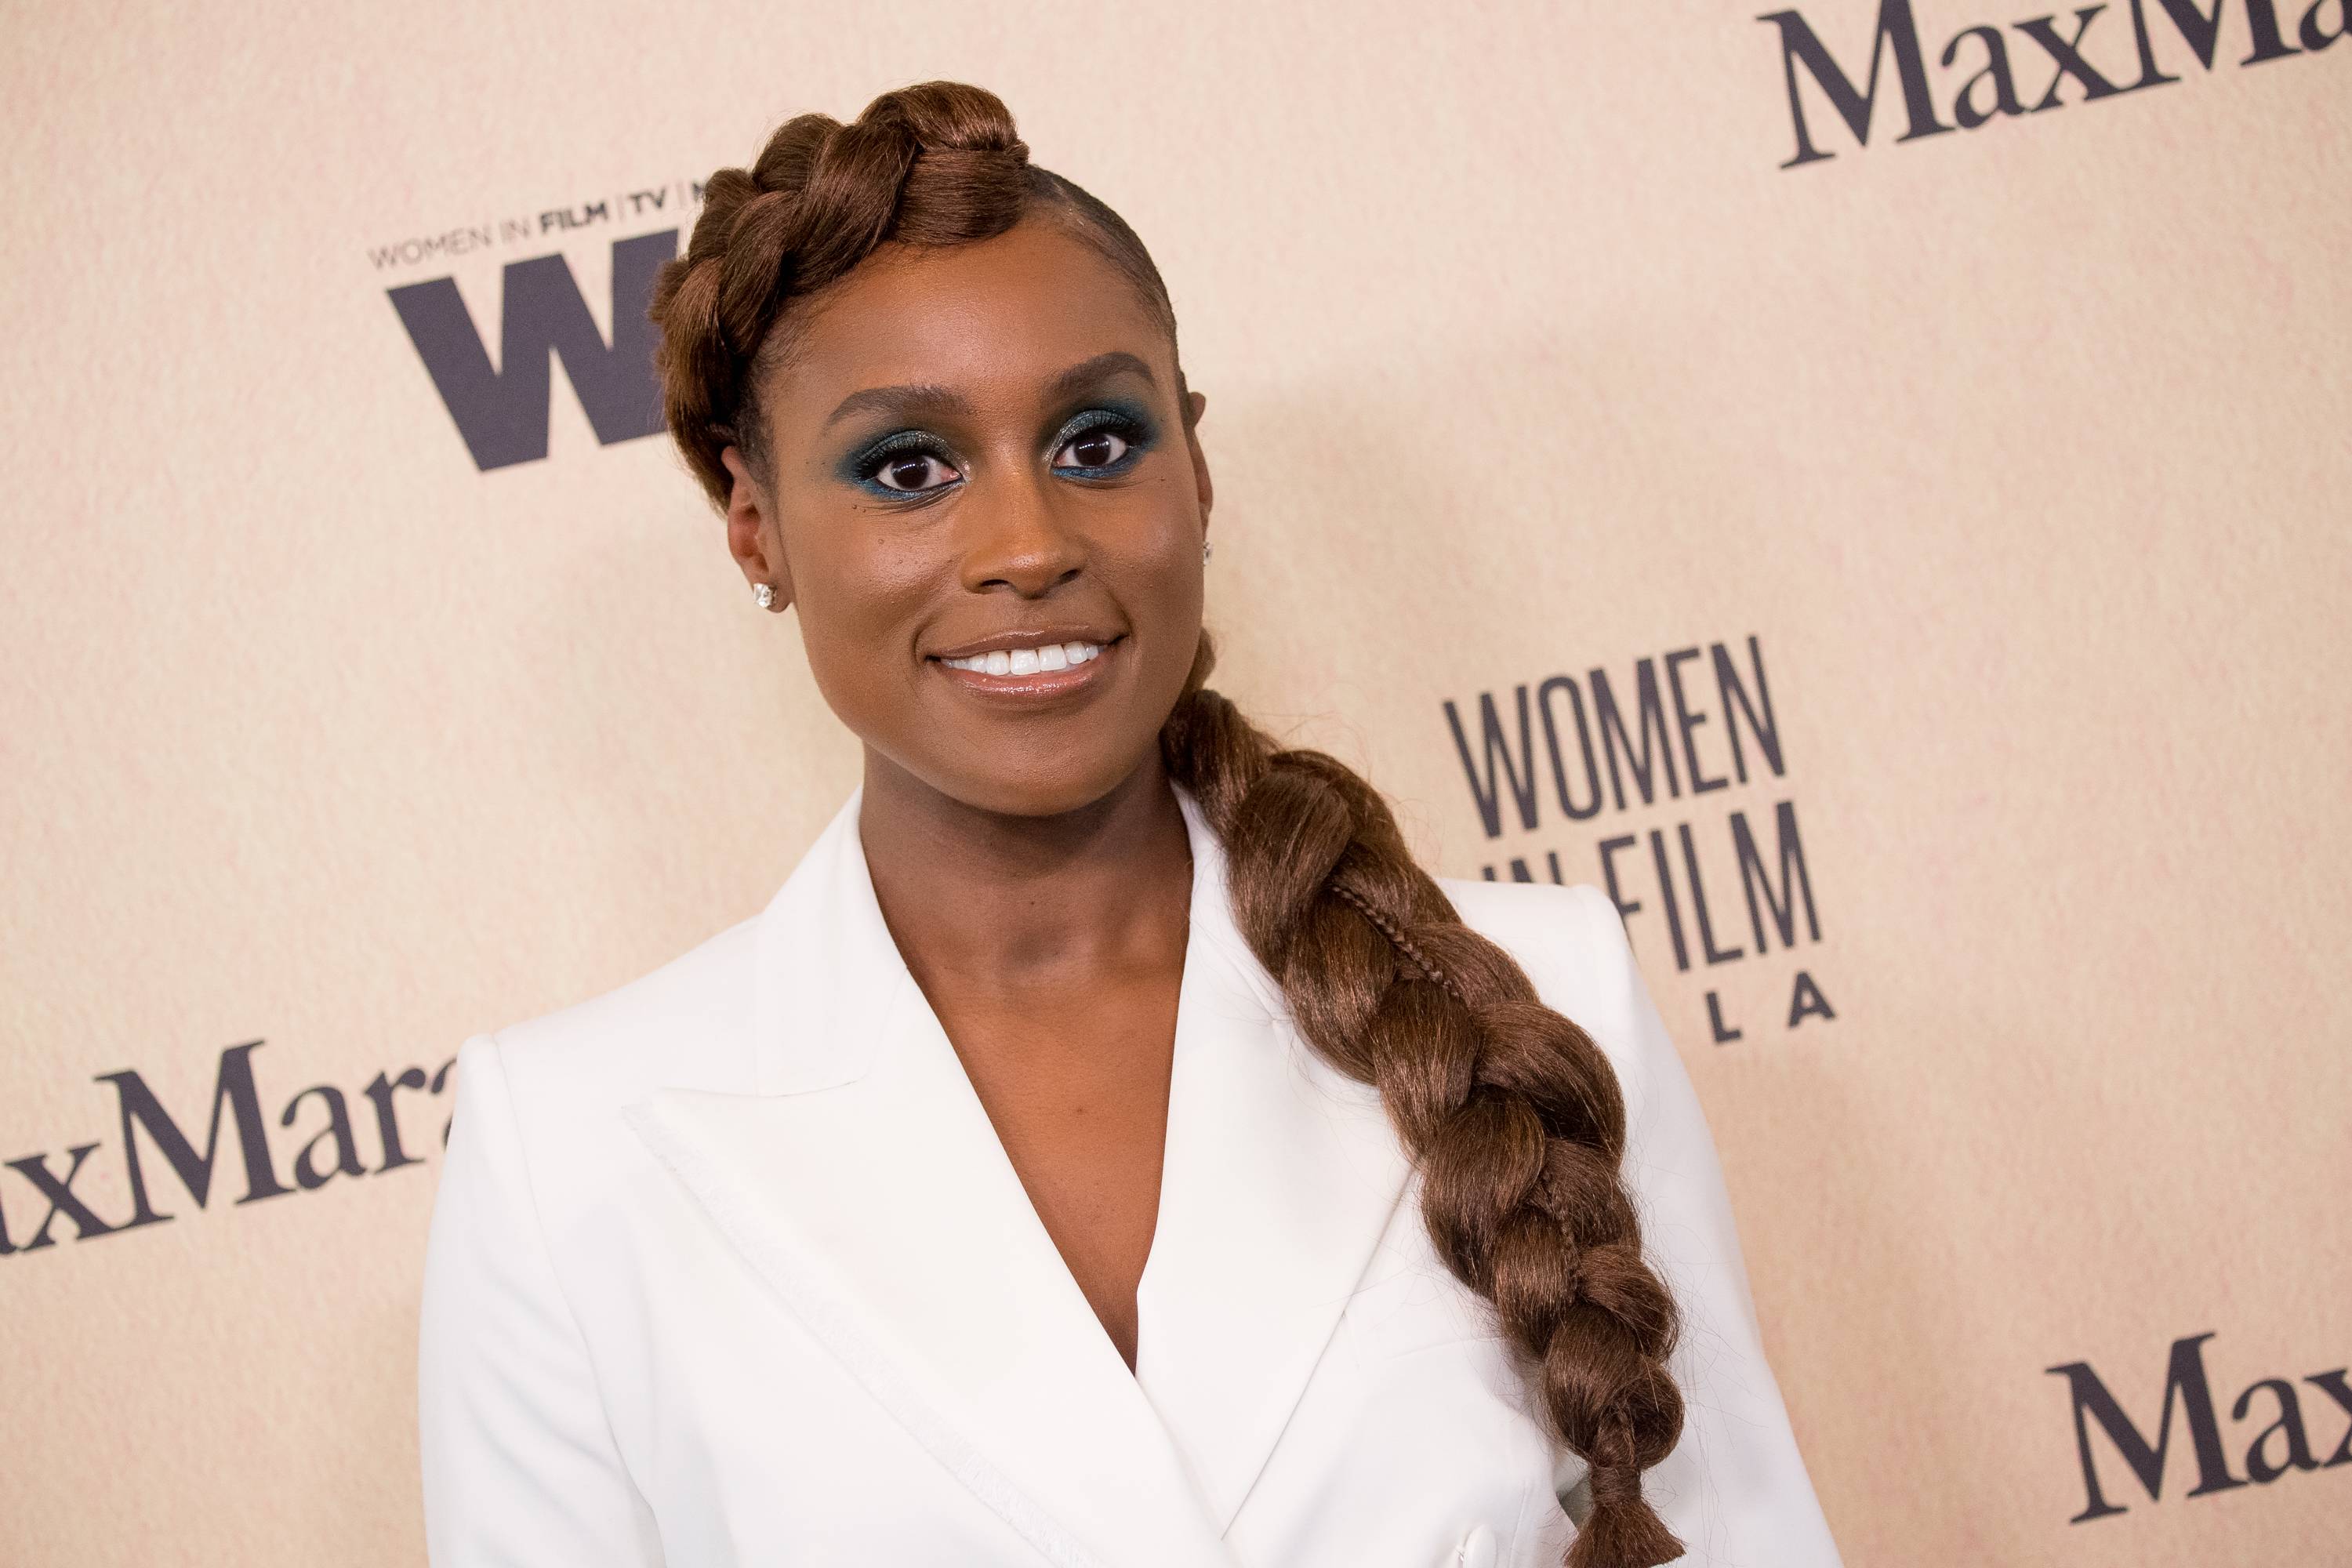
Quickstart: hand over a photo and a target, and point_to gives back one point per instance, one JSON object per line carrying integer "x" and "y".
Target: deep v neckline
{"x": 1051, "y": 1180}
{"x": 858, "y": 1174}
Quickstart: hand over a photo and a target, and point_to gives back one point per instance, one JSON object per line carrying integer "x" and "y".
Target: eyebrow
{"x": 934, "y": 397}
{"x": 899, "y": 400}
{"x": 1099, "y": 368}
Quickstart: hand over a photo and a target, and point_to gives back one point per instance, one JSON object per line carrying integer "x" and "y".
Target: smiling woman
{"x": 963, "y": 450}
{"x": 1110, "y": 1146}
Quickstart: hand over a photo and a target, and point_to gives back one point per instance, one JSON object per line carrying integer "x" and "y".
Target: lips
{"x": 1028, "y": 660}
{"x": 1028, "y": 664}
{"x": 1029, "y": 637}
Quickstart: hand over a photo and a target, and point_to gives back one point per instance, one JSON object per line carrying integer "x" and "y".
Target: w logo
{"x": 503, "y": 411}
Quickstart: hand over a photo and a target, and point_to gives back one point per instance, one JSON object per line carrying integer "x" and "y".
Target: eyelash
{"x": 1131, "y": 428}
{"x": 867, "y": 468}
{"x": 1137, "y": 433}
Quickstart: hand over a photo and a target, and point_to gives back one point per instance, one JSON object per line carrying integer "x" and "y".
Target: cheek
{"x": 858, "y": 603}
{"x": 1158, "y": 571}
{"x": 1156, "y": 574}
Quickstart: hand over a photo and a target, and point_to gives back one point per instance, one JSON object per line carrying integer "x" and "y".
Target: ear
{"x": 1196, "y": 404}
{"x": 752, "y": 536}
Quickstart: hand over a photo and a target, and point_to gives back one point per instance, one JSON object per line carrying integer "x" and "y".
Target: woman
{"x": 1108, "y": 1147}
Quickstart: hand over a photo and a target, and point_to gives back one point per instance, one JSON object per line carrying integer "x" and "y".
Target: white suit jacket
{"x": 728, "y": 1266}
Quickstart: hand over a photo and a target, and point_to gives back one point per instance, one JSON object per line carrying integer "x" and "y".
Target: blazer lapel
{"x": 1281, "y": 1175}
{"x": 865, "y": 1186}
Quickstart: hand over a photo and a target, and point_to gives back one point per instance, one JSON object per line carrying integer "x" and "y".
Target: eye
{"x": 1096, "y": 448}
{"x": 911, "y": 473}
{"x": 1102, "y": 442}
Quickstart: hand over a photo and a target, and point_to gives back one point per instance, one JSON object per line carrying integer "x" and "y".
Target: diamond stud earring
{"x": 763, "y": 595}
{"x": 1207, "y": 549}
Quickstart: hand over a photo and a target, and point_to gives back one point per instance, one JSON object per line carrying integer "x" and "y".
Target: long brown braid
{"x": 1512, "y": 1115}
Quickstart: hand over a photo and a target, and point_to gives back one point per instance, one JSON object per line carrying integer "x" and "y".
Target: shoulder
{"x": 538, "y": 1140}
{"x": 1572, "y": 944}
{"x": 685, "y": 1025}
{"x": 1566, "y": 938}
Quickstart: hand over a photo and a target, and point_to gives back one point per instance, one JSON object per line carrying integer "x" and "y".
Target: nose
{"x": 1017, "y": 539}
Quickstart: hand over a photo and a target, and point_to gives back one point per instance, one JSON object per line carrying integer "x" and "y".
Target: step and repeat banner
{"x": 1866, "y": 484}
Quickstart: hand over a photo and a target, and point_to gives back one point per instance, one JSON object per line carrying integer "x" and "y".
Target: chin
{"x": 1046, "y": 793}
{"x": 1040, "y": 782}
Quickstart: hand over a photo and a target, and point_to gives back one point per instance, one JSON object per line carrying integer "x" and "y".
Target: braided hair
{"x": 1512, "y": 1115}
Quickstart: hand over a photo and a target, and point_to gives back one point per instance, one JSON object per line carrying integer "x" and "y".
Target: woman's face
{"x": 988, "y": 508}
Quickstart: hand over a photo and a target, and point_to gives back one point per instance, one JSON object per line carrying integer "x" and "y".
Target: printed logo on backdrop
{"x": 321, "y": 1125}
{"x": 502, "y": 409}
{"x": 1987, "y": 72}
{"x": 1721, "y": 883}
{"x": 2269, "y": 1432}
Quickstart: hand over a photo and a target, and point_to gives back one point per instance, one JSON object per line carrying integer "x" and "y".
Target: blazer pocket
{"x": 1419, "y": 1309}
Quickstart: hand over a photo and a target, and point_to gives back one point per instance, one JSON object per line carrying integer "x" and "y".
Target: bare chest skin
{"x": 1052, "y": 951}
{"x": 1074, "y": 1075}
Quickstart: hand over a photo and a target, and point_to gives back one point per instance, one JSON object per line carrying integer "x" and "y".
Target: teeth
{"x": 1028, "y": 660}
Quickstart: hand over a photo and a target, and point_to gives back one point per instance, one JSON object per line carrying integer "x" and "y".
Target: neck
{"x": 1006, "y": 903}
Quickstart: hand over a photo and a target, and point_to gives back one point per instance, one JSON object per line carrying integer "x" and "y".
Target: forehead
{"x": 990, "y": 319}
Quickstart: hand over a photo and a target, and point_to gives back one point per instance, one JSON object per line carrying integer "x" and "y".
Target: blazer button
{"x": 1477, "y": 1549}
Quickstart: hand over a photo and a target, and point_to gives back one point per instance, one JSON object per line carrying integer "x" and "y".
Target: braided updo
{"x": 1512, "y": 1115}
{"x": 933, "y": 164}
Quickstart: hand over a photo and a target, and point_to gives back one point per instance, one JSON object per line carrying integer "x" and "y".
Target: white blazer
{"x": 728, "y": 1266}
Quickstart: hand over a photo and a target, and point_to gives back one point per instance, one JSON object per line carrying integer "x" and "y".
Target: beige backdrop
{"x": 2021, "y": 452}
